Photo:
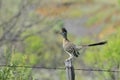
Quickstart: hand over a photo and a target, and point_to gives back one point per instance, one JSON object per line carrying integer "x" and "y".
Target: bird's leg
{"x": 70, "y": 56}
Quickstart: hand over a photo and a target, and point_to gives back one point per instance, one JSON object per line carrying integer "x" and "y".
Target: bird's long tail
{"x": 99, "y": 43}
{"x": 90, "y": 45}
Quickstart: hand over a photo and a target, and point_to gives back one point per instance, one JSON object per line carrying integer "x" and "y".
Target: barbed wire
{"x": 60, "y": 68}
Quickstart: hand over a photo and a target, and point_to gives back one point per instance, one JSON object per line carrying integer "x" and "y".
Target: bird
{"x": 71, "y": 48}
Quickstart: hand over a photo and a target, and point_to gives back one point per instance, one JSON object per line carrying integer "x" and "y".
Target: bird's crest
{"x": 64, "y": 30}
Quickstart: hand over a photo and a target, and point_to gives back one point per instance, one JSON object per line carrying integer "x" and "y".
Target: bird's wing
{"x": 71, "y": 48}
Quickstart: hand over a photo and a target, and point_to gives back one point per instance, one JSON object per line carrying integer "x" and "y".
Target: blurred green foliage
{"x": 16, "y": 73}
{"x": 106, "y": 57}
{"x": 45, "y": 48}
{"x": 33, "y": 44}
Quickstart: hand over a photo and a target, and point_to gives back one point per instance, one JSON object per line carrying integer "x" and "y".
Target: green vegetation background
{"x": 31, "y": 38}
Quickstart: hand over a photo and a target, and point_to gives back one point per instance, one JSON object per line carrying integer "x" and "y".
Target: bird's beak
{"x": 61, "y": 33}
{"x": 57, "y": 32}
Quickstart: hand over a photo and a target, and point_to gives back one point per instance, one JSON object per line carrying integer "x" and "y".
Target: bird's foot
{"x": 68, "y": 59}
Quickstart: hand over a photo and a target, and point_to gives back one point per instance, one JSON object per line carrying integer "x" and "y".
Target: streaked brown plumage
{"x": 72, "y": 49}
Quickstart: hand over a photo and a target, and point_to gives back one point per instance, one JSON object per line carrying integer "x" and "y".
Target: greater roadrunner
{"x": 72, "y": 49}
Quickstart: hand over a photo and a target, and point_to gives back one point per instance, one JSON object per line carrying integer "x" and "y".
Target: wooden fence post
{"x": 69, "y": 70}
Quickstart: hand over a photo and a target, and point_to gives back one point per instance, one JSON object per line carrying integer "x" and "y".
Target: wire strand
{"x": 37, "y": 67}
{"x": 60, "y": 68}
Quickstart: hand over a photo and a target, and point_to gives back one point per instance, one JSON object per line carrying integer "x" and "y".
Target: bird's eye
{"x": 64, "y": 33}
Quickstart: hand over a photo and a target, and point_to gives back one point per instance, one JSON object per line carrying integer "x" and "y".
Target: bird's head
{"x": 64, "y": 32}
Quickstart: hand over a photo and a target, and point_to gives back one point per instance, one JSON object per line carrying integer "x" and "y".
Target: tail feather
{"x": 99, "y": 43}
{"x": 89, "y": 45}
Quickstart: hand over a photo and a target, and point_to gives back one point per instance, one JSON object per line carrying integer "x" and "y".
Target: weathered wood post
{"x": 69, "y": 70}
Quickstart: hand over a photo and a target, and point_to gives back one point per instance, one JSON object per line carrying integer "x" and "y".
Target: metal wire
{"x": 60, "y": 68}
